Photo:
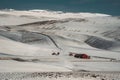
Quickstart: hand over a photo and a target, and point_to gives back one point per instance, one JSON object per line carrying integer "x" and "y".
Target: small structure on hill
{"x": 77, "y": 55}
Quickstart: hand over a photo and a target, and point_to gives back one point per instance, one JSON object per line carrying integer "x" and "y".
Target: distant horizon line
{"x": 10, "y": 9}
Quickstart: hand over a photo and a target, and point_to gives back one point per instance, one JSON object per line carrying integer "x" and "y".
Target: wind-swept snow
{"x": 14, "y": 66}
{"x": 29, "y": 38}
{"x": 15, "y": 17}
{"x": 17, "y": 48}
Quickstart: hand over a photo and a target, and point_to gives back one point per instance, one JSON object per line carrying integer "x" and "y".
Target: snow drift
{"x": 39, "y": 33}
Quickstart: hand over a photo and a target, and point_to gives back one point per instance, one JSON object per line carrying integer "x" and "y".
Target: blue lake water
{"x": 96, "y": 6}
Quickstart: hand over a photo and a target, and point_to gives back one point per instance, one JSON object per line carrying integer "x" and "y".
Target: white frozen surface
{"x": 68, "y": 30}
{"x": 18, "y": 48}
{"x": 15, "y": 66}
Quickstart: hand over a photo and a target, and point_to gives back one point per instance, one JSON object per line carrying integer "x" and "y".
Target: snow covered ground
{"x": 28, "y": 39}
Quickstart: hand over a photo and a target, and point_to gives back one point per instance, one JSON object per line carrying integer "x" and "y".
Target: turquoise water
{"x": 96, "y": 6}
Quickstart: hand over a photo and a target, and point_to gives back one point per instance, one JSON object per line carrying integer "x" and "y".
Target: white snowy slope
{"x": 16, "y": 48}
{"x": 39, "y": 33}
{"x": 20, "y": 17}
{"x": 14, "y": 66}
